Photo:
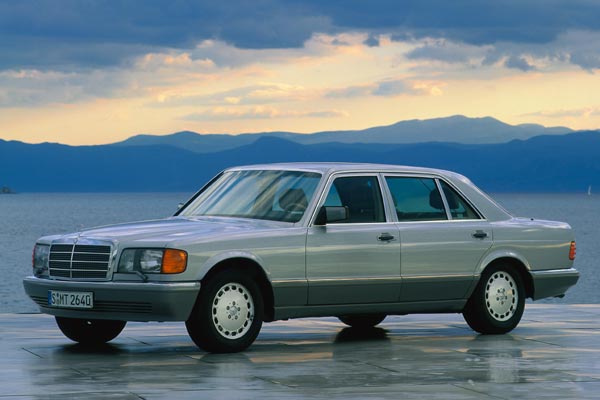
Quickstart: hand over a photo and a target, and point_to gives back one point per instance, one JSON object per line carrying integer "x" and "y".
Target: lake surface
{"x": 25, "y": 217}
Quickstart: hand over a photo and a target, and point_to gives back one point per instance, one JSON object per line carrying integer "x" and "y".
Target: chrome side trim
{"x": 399, "y": 308}
{"x": 554, "y": 272}
{"x": 391, "y": 278}
{"x": 441, "y": 277}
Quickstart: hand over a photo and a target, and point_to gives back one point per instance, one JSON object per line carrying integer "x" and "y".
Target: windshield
{"x": 272, "y": 195}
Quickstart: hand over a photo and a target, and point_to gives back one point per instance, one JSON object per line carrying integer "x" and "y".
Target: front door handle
{"x": 480, "y": 234}
{"x": 385, "y": 237}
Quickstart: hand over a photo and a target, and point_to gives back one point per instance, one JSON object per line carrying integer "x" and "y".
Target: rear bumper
{"x": 553, "y": 283}
{"x": 147, "y": 301}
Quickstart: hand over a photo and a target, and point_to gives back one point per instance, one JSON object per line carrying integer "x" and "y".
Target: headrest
{"x": 435, "y": 200}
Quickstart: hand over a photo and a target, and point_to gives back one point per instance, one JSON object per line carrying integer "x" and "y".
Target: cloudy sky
{"x": 90, "y": 71}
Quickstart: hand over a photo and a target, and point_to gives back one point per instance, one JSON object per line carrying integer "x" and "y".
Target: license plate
{"x": 70, "y": 299}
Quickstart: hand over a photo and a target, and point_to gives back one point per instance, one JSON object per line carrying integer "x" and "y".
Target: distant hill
{"x": 457, "y": 129}
{"x": 548, "y": 163}
{"x": 207, "y": 143}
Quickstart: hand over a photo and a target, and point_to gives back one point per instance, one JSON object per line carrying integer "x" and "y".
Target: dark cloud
{"x": 351, "y": 91}
{"x": 385, "y": 88}
{"x": 586, "y": 60}
{"x": 492, "y": 58}
{"x": 470, "y": 21}
{"x": 518, "y": 63}
{"x": 391, "y": 88}
{"x": 372, "y": 41}
{"x": 69, "y": 34}
{"x": 444, "y": 51}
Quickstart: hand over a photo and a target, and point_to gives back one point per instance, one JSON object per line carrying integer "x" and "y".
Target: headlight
{"x": 153, "y": 261}
{"x": 40, "y": 260}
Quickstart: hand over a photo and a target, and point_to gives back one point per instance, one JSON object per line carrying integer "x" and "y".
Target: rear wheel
{"x": 362, "y": 321}
{"x": 497, "y": 304}
{"x": 228, "y": 313}
{"x": 90, "y": 331}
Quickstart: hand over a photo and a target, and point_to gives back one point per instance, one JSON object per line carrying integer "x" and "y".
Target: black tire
{"x": 228, "y": 313}
{"x": 362, "y": 321}
{"x": 90, "y": 331}
{"x": 496, "y": 306}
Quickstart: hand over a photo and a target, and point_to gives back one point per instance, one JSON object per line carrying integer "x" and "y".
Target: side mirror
{"x": 179, "y": 206}
{"x": 331, "y": 214}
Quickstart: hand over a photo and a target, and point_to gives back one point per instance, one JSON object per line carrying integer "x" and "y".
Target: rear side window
{"x": 459, "y": 208}
{"x": 416, "y": 199}
{"x": 362, "y": 196}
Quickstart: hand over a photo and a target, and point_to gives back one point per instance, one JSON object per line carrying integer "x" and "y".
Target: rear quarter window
{"x": 416, "y": 199}
{"x": 459, "y": 208}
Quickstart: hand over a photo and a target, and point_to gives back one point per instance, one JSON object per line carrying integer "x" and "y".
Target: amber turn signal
{"x": 174, "y": 261}
{"x": 572, "y": 251}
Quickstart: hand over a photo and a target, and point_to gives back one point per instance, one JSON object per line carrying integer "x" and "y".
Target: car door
{"x": 356, "y": 260}
{"x": 443, "y": 238}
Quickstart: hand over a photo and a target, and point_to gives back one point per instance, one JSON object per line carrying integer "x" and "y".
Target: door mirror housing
{"x": 329, "y": 214}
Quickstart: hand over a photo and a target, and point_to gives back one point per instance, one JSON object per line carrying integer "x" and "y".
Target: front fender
{"x": 228, "y": 255}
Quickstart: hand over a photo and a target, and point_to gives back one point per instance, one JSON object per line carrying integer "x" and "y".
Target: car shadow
{"x": 106, "y": 348}
{"x": 361, "y": 335}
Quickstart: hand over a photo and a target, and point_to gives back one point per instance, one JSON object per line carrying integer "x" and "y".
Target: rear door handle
{"x": 385, "y": 237}
{"x": 480, "y": 234}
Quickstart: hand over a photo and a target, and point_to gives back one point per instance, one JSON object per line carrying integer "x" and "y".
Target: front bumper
{"x": 127, "y": 301}
{"x": 553, "y": 283}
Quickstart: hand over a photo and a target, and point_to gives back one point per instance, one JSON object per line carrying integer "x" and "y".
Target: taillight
{"x": 572, "y": 251}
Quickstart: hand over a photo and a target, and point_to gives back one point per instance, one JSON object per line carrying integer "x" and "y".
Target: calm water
{"x": 25, "y": 217}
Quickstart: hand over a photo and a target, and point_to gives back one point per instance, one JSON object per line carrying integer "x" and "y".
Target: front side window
{"x": 416, "y": 199}
{"x": 271, "y": 195}
{"x": 362, "y": 196}
{"x": 459, "y": 208}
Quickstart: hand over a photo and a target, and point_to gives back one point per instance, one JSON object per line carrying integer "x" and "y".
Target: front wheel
{"x": 90, "y": 331}
{"x": 228, "y": 314}
{"x": 497, "y": 304}
{"x": 362, "y": 321}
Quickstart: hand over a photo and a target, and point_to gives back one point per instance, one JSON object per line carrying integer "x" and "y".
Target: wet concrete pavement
{"x": 554, "y": 353}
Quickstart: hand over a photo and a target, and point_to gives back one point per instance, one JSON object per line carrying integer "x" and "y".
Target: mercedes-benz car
{"x": 271, "y": 242}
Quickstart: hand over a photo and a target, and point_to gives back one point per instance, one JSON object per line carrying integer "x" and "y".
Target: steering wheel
{"x": 294, "y": 207}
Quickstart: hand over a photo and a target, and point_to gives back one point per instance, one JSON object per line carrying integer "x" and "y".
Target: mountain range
{"x": 456, "y": 129}
{"x": 531, "y": 158}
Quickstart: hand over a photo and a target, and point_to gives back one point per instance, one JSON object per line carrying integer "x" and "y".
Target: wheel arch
{"x": 252, "y": 267}
{"x": 520, "y": 265}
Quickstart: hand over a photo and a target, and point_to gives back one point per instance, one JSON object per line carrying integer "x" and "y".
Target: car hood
{"x": 175, "y": 229}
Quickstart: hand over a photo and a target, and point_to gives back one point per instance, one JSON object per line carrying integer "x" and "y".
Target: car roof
{"x": 331, "y": 167}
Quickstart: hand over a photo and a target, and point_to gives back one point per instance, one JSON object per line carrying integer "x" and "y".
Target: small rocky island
{"x": 6, "y": 190}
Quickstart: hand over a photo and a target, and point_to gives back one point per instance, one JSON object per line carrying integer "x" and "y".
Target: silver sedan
{"x": 271, "y": 242}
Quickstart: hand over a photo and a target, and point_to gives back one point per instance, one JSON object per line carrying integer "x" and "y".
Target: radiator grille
{"x": 79, "y": 261}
